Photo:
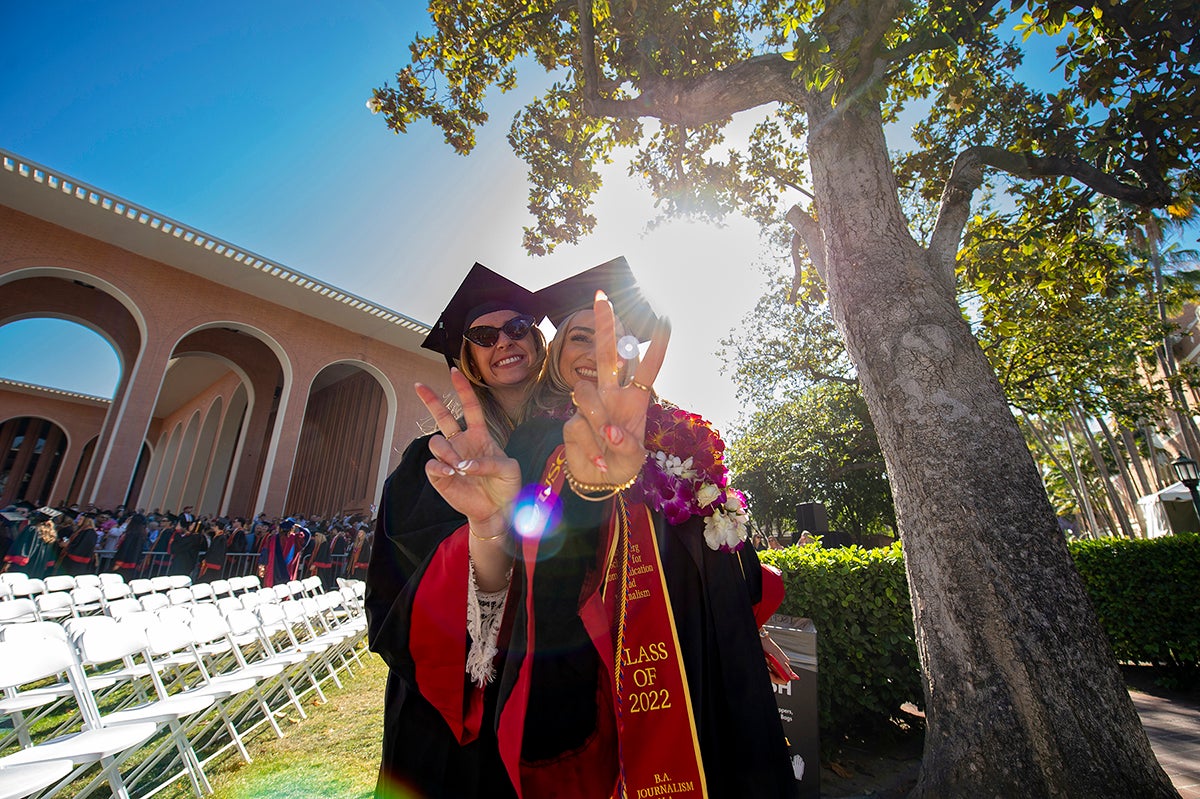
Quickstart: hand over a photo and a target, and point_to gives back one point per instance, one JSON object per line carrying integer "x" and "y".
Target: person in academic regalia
{"x": 360, "y": 555}
{"x": 159, "y": 557}
{"x": 321, "y": 563}
{"x": 131, "y": 547}
{"x": 213, "y": 565}
{"x": 625, "y": 645}
{"x": 280, "y": 557}
{"x": 488, "y": 330}
{"x": 35, "y": 549}
{"x": 79, "y": 550}
{"x": 185, "y": 548}
{"x": 338, "y": 551}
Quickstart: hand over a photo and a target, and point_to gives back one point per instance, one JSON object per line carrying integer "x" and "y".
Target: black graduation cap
{"x": 615, "y": 279}
{"x": 44, "y": 514}
{"x": 481, "y": 292}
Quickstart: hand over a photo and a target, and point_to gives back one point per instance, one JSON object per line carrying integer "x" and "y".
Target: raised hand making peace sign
{"x": 605, "y": 439}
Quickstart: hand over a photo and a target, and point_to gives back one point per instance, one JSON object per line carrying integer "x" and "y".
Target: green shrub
{"x": 866, "y": 655}
{"x": 1147, "y": 595}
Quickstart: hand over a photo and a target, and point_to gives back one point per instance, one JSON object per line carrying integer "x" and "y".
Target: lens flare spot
{"x": 627, "y": 347}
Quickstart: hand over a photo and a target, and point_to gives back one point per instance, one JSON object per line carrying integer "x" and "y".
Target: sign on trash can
{"x": 797, "y": 700}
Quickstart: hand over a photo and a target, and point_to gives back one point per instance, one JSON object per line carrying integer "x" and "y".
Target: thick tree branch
{"x": 691, "y": 102}
{"x": 814, "y": 241}
{"x": 967, "y": 175}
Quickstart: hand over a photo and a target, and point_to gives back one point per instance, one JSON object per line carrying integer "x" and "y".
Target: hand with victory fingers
{"x": 604, "y": 440}
{"x": 469, "y": 469}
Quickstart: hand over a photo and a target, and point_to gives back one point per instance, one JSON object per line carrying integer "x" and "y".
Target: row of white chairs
{"x": 241, "y": 663}
{"x": 85, "y": 598}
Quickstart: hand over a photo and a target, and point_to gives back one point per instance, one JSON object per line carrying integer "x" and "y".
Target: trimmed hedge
{"x": 1146, "y": 594}
{"x": 866, "y": 654}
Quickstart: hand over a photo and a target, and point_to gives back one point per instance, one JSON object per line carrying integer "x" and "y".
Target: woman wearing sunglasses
{"x": 426, "y": 550}
{"x": 629, "y": 661}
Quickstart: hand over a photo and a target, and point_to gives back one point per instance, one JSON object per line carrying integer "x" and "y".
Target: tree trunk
{"x": 1085, "y": 510}
{"x": 1088, "y": 502}
{"x": 1130, "y": 490}
{"x": 1022, "y": 693}
{"x": 1135, "y": 457}
{"x": 1114, "y": 501}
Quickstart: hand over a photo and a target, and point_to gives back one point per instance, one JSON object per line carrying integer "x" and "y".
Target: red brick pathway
{"x": 1174, "y": 730}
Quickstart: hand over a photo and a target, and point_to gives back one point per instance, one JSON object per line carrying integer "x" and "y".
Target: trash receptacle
{"x": 797, "y": 701}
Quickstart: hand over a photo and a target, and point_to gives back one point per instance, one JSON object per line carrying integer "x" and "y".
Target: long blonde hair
{"x": 47, "y": 532}
{"x": 498, "y": 422}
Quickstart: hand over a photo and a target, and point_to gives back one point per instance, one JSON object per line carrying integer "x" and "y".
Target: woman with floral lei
{"x": 628, "y": 661}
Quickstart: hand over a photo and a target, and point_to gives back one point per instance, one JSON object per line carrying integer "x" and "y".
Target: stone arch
{"x": 266, "y": 373}
{"x": 339, "y": 462}
{"x": 198, "y": 471}
{"x": 68, "y": 292}
{"x": 158, "y": 488}
{"x": 183, "y": 460}
{"x": 31, "y": 454}
{"x": 225, "y": 454}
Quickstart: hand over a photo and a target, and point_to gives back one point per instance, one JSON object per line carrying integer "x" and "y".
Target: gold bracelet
{"x": 478, "y": 537}
{"x": 583, "y": 490}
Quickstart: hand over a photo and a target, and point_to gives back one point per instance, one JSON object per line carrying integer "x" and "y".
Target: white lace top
{"x": 485, "y": 609}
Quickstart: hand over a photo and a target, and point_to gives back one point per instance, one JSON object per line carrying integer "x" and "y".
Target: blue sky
{"x": 248, "y": 122}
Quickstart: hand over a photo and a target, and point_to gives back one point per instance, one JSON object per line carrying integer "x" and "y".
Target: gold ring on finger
{"x": 449, "y": 436}
{"x": 642, "y": 386}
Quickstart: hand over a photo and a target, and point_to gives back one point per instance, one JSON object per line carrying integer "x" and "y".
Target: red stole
{"x": 628, "y": 612}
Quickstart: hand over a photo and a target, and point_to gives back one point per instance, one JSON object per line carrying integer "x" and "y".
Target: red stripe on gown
{"x": 438, "y": 637}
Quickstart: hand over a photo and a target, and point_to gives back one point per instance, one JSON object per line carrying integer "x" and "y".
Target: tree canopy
{"x": 989, "y": 573}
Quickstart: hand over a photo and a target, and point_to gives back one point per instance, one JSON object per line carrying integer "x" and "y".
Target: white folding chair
{"x": 114, "y": 591}
{"x": 202, "y": 592}
{"x": 140, "y": 586}
{"x": 55, "y": 605}
{"x": 15, "y": 611}
{"x": 178, "y": 580}
{"x": 111, "y": 578}
{"x": 109, "y": 640}
{"x": 221, "y": 587}
{"x": 88, "y": 580}
{"x": 20, "y": 781}
{"x": 59, "y": 582}
{"x": 22, "y": 663}
{"x": 161, "y": 584}
{"x": 28, "y": 587}
{"x": 88, "y": 599}
{"x": 153, "y": 602}
{"x": 180, "y": 596}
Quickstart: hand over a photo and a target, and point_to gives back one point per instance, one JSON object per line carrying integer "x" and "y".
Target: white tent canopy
{"x": 1158, "y": 523}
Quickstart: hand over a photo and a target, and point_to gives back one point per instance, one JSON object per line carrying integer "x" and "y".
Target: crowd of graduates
{"x": 69, "y": 540}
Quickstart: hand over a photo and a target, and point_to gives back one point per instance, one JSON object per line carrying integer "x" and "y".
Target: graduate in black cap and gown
{"x": 488, "y": 331}
{"x": 79, "y": 550}
{"x": 628, "y": 661}
{"x": 130, "y": 547}
{"x": 35, "y": 549}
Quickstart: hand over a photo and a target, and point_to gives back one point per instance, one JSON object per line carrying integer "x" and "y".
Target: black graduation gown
{"x": 130, "y": 549}
{"x": 420, "y": 752}
{"x": 185, "y": 551}
{"x": 213, "y": 566}
{"x": 741, "y": 738}
{"x": 712, "y": 594}
{"x": 79, "y": 553}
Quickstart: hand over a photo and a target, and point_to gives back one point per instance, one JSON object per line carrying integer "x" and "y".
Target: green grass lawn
{"x": 334, "y": 754}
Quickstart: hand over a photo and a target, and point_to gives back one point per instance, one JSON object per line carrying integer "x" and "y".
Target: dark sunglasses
{"x": 516, "y": 329}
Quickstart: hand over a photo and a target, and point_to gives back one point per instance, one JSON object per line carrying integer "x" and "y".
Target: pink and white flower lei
{"x": 685, "y": 476}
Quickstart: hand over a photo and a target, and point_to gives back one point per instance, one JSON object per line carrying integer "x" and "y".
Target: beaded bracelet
{"x": 582, "y": 490}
